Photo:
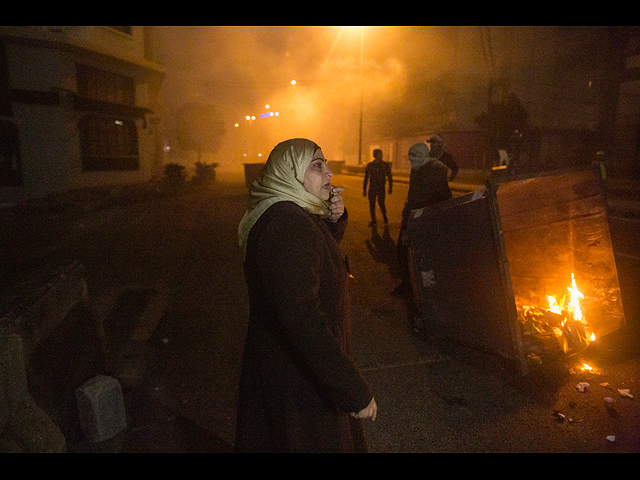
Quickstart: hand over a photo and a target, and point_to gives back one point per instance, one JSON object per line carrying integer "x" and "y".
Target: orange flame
{"x": 574, "y": 304}
{"x": 576, "y": 295}
{"x": 571, "y": 312}
{"x": 553, "y": 305}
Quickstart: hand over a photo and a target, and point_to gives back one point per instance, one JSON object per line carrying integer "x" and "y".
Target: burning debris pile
{"x": 558, "y": 327}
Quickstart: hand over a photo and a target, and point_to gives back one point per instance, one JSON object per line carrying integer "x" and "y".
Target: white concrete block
{"x": 101, "y": 408}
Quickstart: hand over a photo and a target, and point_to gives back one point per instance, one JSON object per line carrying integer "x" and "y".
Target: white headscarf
{"x": 419, "y": 155}
{"x": 282, "y": 180}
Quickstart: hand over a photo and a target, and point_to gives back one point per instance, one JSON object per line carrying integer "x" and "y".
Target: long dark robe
{"x": 298, "y": 383}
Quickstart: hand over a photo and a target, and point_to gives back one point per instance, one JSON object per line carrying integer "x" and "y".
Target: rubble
{"x": 582, "y": 387}
{"x": 624, "y": 392}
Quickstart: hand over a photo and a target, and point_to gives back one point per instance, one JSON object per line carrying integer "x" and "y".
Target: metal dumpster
{"x": 488, "y": 264}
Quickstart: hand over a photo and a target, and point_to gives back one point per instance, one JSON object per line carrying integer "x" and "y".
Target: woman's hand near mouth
{"x": 336, "y": 205}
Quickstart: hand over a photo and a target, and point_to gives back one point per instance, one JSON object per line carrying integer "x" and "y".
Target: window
{"x": 108, "y": 143}
{"x": 96, "y": 84}
{"x": 10, "y": 163}
{"x": 108, "y": 132}
{"x": 5, "y": 92}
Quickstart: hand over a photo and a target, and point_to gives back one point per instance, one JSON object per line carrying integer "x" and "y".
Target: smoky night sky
{"x": 408, "y": 79}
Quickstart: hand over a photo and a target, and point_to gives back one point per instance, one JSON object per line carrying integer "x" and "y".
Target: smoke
{"x": 391, "y": 80}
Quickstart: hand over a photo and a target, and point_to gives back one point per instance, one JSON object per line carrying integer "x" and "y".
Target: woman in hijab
{"x": 299, "y": 389}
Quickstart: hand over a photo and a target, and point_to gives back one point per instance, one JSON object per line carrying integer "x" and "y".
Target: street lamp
{"x": 361, "y": 91}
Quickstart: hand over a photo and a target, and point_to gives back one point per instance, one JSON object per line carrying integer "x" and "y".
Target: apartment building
{"x": 79, "y": 108}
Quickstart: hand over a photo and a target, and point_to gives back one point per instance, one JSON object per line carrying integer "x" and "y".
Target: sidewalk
{"x": 623, "y": 196}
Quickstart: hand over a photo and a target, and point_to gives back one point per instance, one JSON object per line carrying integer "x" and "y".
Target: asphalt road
{"x": 434, "y": 398}
{"x": 431, "y": 397}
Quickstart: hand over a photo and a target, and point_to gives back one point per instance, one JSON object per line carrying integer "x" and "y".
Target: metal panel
{"x": 462, "y": 275}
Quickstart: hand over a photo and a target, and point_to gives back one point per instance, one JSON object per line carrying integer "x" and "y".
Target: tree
{"x": 199, "y": 128}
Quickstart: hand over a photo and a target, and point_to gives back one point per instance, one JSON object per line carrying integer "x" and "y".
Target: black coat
{"x": 298, "y": 383}
{"x": 428, "y": 185}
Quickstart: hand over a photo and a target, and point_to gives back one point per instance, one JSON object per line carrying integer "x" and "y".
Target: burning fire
{"x": 574, "y": 304}
{"x": 565, "y": 322}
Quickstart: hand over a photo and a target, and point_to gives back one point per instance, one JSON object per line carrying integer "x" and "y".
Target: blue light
{"x": 266, "y": 114}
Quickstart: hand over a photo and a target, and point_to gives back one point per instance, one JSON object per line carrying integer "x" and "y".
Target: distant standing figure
{"x": 376, "y": 175}
{"x": 436, "y": 147}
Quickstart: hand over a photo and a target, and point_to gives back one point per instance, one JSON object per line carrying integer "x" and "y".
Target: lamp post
{"x": 361, "y": 92}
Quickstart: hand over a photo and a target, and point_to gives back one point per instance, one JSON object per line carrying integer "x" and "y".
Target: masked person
{"x": 299, "y": 389}
{"x": 437, "y": 151}
{"x": 427, "y": 186}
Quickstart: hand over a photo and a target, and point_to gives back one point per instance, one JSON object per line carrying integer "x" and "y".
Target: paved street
{"x": 430, "y": 398}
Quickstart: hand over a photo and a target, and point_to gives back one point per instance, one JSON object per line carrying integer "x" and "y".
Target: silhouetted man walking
{"x": 376, "y": 174}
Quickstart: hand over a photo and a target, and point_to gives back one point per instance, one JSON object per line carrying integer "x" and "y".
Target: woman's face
{"x": 317, "y": 177}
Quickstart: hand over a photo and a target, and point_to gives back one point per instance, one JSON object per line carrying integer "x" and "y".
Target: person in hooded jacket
{"x": 437, "y": 151}
{"x": 428, "y": 185}
{"x": 299, "y": 388}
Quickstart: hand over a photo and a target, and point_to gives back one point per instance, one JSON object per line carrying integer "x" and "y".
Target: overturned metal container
{"x": 480, "y": 259}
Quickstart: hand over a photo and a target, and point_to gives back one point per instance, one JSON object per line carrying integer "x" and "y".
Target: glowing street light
{"x": 293, "y": 82}
{"x": 361, "y": 92}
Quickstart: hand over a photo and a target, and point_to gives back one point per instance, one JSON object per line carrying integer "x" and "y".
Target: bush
{"x": 205, "y": 173}
{"x": 174, "y": 178}
{"x": 174, "y": 173}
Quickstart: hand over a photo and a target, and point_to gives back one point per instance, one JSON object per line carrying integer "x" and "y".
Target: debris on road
{"x": 559, "y": 416}
{"x": 624, "y": 392}
{"x": 582, "y": 386}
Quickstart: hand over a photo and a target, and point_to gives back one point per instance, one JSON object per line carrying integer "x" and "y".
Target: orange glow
{"x": 564, "y": 319}
{"x": 576, "y": 295}
{"x": 553, "y": 304}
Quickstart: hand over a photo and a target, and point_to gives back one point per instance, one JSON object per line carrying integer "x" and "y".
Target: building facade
{"x": 572, "y": 94}
{"x": 79, "y": 108}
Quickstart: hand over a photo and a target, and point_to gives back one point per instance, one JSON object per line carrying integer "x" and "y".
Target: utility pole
{"x": 361, "y": 91}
